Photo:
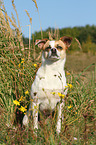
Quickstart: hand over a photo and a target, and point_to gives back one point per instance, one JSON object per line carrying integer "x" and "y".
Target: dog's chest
{"x": 50, "y": 79}
{"x": 47, "y": 85}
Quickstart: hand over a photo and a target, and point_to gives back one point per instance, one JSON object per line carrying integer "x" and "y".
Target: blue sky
{"x": 53, "y": 13}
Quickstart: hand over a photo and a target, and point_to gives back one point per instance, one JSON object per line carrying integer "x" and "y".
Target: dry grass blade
{"x": 18, "y": 32}
{"x": 50, "y": 36}
{"x": 29, "y": 16}
{"x": 29, "y": 31}
{"x": 5, "y": 21}
{"x": 54, "y": 34}
{"x": 12, "y": 23}
{"x": 1, "y": 3}
{"x": 27, "y": 13}
{"x": 16, "y": 12}
{"x": 39, "y": 17}
{"x": 13, "y": 18}
{"x": 35, "y": 4}
{"x": 78, "y": 43}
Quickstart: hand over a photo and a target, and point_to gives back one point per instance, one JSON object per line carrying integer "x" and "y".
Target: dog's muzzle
{"x": 53, "y": 51}
{"x": 53, "y": 54}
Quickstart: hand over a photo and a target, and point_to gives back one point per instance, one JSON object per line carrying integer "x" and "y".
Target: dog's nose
{"x": 53, "y": 50}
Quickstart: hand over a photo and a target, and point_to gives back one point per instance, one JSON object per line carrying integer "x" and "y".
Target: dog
{"x": 50, "y": 80}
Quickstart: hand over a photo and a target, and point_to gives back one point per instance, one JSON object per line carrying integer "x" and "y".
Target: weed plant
{"x": 17, "y": 74}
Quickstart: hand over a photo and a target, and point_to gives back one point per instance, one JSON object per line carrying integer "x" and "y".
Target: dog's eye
{"x": 47, "y": 48}
{"x": 59, "y": 47}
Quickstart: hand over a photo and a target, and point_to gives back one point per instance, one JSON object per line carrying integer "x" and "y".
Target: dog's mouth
{"x": 53, "y": 54}
{"x": 54, "y": 57}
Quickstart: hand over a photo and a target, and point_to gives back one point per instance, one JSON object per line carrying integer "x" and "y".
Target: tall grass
{"x": 17, "y": 75}
{"x": 14, "y": 64}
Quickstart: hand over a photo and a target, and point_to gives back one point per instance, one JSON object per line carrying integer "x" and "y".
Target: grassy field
{"x": 78, "y": 126}
{"x": 18, "y": 67}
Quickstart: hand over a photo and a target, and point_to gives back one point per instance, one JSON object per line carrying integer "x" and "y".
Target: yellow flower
{"x": 61, "y": 95}
{"x": 53, "y": 93}
{"x": 31, "y": 100}
{"x": 69, "y": 107}
{"x": 19, "y": 65}
{"x": 26, "y": 106}
{"x": 16, "y": 102}
{"x": 70, "y": 86}
{"x": 22, "y": 109}
{"x": 66, "y": 86}
{"x": 26, "y": 92}
{"x": 22, "y": 59}
{"x": 35, "y": 65}
{"x": 67, "y": 73}
{"x": 21, "y": 99}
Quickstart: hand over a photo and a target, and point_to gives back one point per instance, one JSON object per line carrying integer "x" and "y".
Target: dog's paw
{"x": 25, "y": 120}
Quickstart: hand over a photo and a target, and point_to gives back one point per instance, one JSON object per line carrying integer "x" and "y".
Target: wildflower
{"x": 19, "y": 65}
{"x": 53, "y": 93}
{"x": 61, "y": 95}
{"x": 21, "y": 99}
{"x": 69, "y": 107}
{"x": 22, "y": 109}
{"x": 16, "y": 102}
{"x": 31, "y": 100}
{"x": 26, "y": 92}
{"x": 22, "y": 59}
{"x": 69, "y": 85}
{"x": 35, "y": 65}
{"x": 67, "y": 73}
{"x": 26, "y": 106}
{"x": 66, "y": 86}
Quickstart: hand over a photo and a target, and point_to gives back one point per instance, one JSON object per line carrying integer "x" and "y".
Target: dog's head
{"x": 54, "y": 50}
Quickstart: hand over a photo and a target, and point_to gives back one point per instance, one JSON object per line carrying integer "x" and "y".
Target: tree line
{"x": 84, "y": 38}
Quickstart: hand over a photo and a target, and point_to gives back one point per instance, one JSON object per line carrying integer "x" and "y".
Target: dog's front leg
{"x": 35, "y": 108}
{"x": 60, "y": 116}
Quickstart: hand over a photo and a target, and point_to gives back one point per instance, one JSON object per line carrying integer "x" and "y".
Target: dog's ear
{"x": 41, "y": 43}
{"x": 66, "y": 40}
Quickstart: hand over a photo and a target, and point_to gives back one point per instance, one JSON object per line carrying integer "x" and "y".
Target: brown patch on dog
{"x": 66, "y": 40}
{"x": 46, "y": 45}
{"x": 41, "y": 43}
{"x": 60, "y": 43}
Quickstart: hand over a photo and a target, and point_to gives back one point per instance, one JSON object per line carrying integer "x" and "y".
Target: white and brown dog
{"x": 50, "y": 78}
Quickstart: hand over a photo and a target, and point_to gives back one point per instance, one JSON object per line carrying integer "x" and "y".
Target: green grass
{"x": 79, "y": 120}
